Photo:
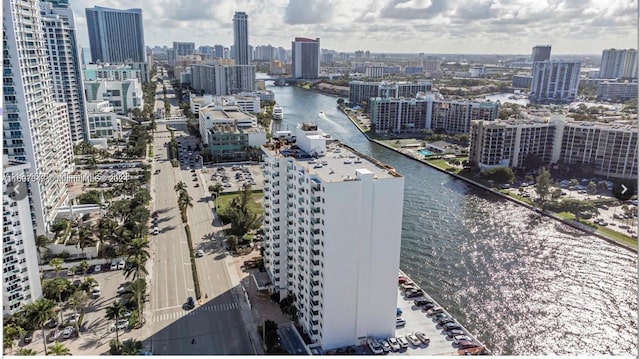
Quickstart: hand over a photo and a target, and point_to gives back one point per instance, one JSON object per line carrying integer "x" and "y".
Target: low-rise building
{"x": 230, "y": 143}
{"x": 123, "y": 95}
{"x": 103, "y": 122}
{"x": 219, "y": 114}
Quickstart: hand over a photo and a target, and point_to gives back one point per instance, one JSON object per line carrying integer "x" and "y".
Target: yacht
{"x": 277, "y": 113}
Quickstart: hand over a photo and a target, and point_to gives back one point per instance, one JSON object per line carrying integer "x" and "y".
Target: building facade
{"x": 217, "y": 79}
{"x": 610, "y": 149}
{"x": 407, "y": 115}
{"x": 241, "y": 51}
{"x": 305, "y": 58}
{"x": 123, "y": 96}
{"x": 521, "y": 81}
{"x": 617, "y": 91}
{"x": 360, "y": 92}
{"x": 230, "y": 143}
{"x": 184, "y": 48}
{"x": 216, "y": 114}
{"x": 103, "y": 122}
{"x": 541, "y": 53}
{"x": 20, "y": 278}
{"x": 333, "y": 222}
{"x": 36, "y": 127}
{"x": 619, "y": 64}
{"x": 554, "y": 81}
{"x": 64, "y": 57}
{"x": 115, "y": 36}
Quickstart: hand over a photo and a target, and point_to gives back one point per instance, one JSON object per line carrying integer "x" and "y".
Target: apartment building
{"x": 216, "y": 114}
{"x": 64, "y": 59}
{"x": 619, "y": 64}
{"x": 361, "y": 91}
{"x": 617, "y": 91}
{"x": 115, "y": 35}
{"x": 554, "y": 81}
{"x": 20, "y": 276}
{"x": 611, "y": 149}
{"x": 184, "y": 48}
{"x": 115, "y": 72}
{"x": 333, "y": 221}
{"x": 123, "y": 95}
{"x": 406, "y": 115}
{"x": 541, "y": 53}
{"x": 305, "y": 55}
{"x": 217, "y": 79}
{"x": 230, "y": 143}
{"x": 374, "y": 71}
{"x": 36, "y": 127}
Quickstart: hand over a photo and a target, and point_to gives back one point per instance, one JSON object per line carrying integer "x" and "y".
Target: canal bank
{"x": 572, "y": 223}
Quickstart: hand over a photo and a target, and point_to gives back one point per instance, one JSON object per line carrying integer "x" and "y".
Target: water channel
{"x": 523, "y": 286}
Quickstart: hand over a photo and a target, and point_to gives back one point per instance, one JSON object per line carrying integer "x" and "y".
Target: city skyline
{"x": 391, "y": 26}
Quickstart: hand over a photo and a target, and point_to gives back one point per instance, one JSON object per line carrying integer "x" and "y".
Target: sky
{"x": 391, "y": 26}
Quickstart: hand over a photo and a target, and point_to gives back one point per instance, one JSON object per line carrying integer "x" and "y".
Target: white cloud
{"x": 435, "y": 26}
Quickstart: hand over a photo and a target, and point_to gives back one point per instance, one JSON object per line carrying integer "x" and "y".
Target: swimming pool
{"x": 425, "y": 153}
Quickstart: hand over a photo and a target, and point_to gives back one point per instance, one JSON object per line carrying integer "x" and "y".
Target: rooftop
{"x": 341, "y": 163}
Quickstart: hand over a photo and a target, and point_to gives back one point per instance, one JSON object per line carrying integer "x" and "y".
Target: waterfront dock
{"x": 417, "y": 320}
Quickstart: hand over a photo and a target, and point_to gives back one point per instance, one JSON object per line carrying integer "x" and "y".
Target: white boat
{"x": 277, "y": 113}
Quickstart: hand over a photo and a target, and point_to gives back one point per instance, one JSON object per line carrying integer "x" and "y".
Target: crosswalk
{"x": 207, "y": 308}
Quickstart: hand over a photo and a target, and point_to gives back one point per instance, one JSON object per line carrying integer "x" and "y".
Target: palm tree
{"x": 84, "y": 266}
{"x": 39, "y": 313}
{"x": 138, "y": 290}
{"x": 59, "y": 286}
{"x": 131, "y": 347}
{"x": 11, "y": 332}
{"x": 184, "y": 200}
{"x": 25, "y": 351}
{"x": 41, "y": 242}
{"x": 56, "y": 263}
{"x": 138, "y": 248}
{"x": 114, "y": 312}
{"x": 59, "y": 349}
{"x": 180, "y": 186}
{"x": 85, "y": 237}
{"x": 78, "y": 299}
{"x": 136, "y": 267}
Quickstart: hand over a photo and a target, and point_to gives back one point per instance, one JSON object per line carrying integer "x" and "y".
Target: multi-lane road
{"x": 221, "y": 322}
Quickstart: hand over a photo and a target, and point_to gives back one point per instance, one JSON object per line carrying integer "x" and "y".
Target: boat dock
{"x": 418, "y": 320}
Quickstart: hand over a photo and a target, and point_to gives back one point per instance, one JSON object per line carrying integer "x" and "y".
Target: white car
{"x": 458, "y": 338}
{"x": 114, "y": 266}
{"x": 400, "y": 322}
{"x": 385, "y": 346}
{"x": 199, "y": 253}
{"x": 393, "y": 342}
{"x": 121, "y": 324}
{"x": 423, "y": 337}
{"x": 403, "y": 342}
{"x": 67, "y": 332}
{"x": 121, "y": 265}
{"x": 97, "y": 268}
{"x": 413, "y": 339}
{"x": 375, "y": 347}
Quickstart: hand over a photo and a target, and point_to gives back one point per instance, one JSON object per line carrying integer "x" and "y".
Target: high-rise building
{"x": 554, "y": 81}
{"x": 217, "y": 79}
{"x": 116, "y": 35}
{"x": 183, "y": 48}
{"x": 241, "y": 38}
{"x": 305, "y": 58}
{"x": 36, "y": 127}
{"x": 361, "y": 91}
{"x": 333, "y": 219}
{"x": 21, "y": 280}
{"x": 206, "y": 50}
{"x": 64, "y": 60}
{"x": 619, "y": 64}
{"x": 541, "y": 53}
{"x": 611, "y": 150}
{"x": 218, "y": 51}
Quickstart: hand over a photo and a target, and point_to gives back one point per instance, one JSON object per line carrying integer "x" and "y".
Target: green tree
{"x": 576, "y": 207}
{"x": 180, "y": 186}
{"x": 574, "y": 182}
{"x": 137, "y": 267}
{"x": 59, "y": 349}
{"x": 137, "y": 291}
{"x": 42, "y": 242}
{"x": 58, "y": 287}
{"x": 56, "y": 263}
{"x": 131, "y": 347}
{"x": 38, "y": 313}
{"x": 11, "y": 332}
{"x": 543, "y": 186}
{"x": 85, "y": 237}
{"x": 78, "y": 300}
{"x": 84, "y": 266}
{"x": 592, "y": 188}
{"x": 114, "y": 312}
{"x": 500, "y": 174}
{"x": 25, "y": 351}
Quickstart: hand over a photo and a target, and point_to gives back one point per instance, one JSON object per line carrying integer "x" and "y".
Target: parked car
{"x": 191, "y": 303}
{"x": 156, "y": 230}
{"x": 435, "y": 311}
{"x": 412, "y": 293}
{"x": 97, "y": 268}
{"x": 421, "y": 302}
{"x": 199, "y": 253}
{"x": 54, "y": 335}
{"x": 440, "y": 316}
{"x": 458, "y": 338}
{"x": 398, "y": 311}
{"x": 71, "y": 271}
{"x": 385, "y": 346}
{"x": 121, "y": 324}
{"x": 114, "y": 266}
{"x": 466, "y": 344}
{"x": 403, "y": 342}
{"x": 451, "y": 326}
{"x": 444, "y": 321}
{"x": 95, "y": 292}
{"x": 393, "y": 342}
{"x": 375, "y": 347}
{"x": 68, "y": 332}
{"x": 52, "y": 323}
{"x": 454, "y": 332}
{"x": 74, "y": 318}
{"x": 411, "y": 338}
{"x": 423, "y": 337}
{"x": 28, "y": 337}
{"x": 121, "y": 264}
{"x": 400, "y": 322}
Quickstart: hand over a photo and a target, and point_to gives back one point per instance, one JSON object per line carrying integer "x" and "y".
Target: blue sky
{"x": 410, "y": 26}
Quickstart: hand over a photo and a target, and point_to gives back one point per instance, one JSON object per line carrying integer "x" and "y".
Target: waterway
{"x": 518, "y": 283}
